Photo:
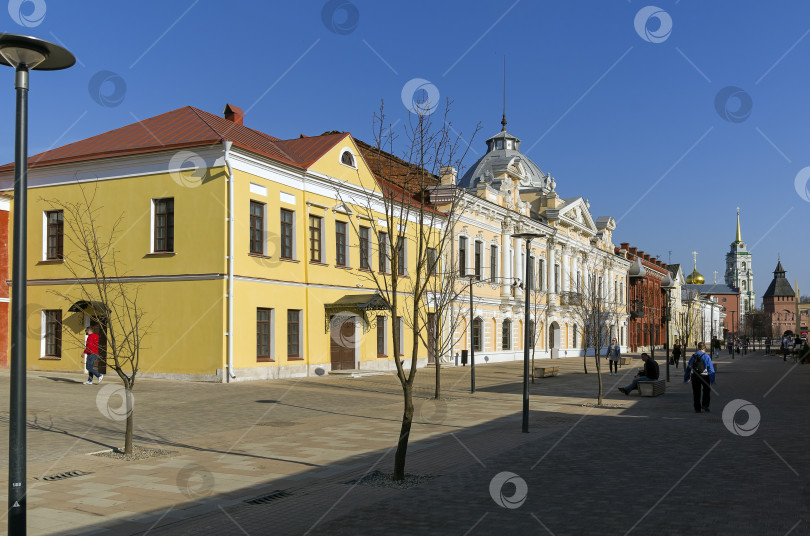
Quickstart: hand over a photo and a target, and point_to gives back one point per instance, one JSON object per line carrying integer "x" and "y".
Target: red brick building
{"x": 645, "y": 300}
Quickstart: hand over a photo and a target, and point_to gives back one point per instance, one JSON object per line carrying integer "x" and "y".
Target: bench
{"x": 652, "y": 388}
{"x": 625, "y": 360}
{"x": 542, "y": 372}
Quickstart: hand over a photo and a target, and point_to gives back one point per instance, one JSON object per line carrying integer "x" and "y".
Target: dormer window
{"x": 499, "y": 144}
{"x": 509, "y": 144}
{"x": 347, "y": 158}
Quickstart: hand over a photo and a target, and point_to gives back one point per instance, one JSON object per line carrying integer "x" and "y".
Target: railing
{"x": 570, "y": 298}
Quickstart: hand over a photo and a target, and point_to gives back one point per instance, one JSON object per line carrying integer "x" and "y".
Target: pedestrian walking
{"x": 91, "y": 356}
{"x": 730, "y": 346}
{"x": 768, "y": 346}
{"x": 785, "y": 346}
{"x": 676, "y": 353}
{"x": 614, "y": 352}
{"x": 700, "y": 372}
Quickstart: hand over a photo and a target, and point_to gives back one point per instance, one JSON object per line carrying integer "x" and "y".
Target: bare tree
{"x": 412, "y": 234}
{"x": 689, "y": 316}
{"x": 113, "y": 305}
{"x": 595, "y": 308}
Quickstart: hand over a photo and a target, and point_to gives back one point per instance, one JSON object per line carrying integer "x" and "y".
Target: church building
{"x": 779, "y": 302}
{"x": 739, "y": 273}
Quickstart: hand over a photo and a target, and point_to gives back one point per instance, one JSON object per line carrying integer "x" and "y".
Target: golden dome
{"x": 695, "y": 278}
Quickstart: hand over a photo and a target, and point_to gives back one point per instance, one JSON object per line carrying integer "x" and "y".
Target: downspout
{"x": 229, "y": 373}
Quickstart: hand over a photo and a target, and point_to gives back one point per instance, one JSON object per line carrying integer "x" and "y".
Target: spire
{"x": 739, "y": 234}
{"x": 503, "y": 119}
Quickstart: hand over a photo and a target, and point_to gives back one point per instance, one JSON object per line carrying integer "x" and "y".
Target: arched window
{"x": 506, "y": 335}
{"x": 477, "y": 335}
{"x": 347, "y": 158}
{"x": 743, "y": 266}
{"x": 743, "y": 285}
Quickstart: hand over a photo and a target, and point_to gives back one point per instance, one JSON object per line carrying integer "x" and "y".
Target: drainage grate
{"x": 62, "y": 476}
{"x": 270, "y": 497}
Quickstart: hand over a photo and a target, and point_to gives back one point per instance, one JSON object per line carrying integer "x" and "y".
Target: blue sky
{"x": 632, "y": 124}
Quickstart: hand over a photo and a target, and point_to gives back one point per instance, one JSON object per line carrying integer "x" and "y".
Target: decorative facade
{"x": 505, "y": 193}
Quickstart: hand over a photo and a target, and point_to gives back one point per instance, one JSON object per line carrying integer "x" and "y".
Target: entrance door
{"x": 431, "y": 327}
{"x": 554, "y": 339}
{"x": 101, "y": 362}
{"x": 342, "y": 343}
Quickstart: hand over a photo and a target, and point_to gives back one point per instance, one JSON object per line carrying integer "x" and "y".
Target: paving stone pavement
{"x": 634, "y": 466}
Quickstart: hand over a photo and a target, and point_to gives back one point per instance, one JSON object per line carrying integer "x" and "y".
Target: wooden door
{"x": 342, "y": 345}
{"x": 101, "y": 362}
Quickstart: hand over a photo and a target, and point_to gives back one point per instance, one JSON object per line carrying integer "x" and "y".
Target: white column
{"x": 551, "y": 260}
{"x": 517, "y": 266}
{"x": 505, "y": 275}
{"x": 574, "y": 273}
{"x": 566, "y": 278}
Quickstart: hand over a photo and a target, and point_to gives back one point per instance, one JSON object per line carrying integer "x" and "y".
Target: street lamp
{"x": 24, "y": 54}
{"x": 472, "y": 276}
{"x": 526, "y": 340}
{"x": 667, "y": 284}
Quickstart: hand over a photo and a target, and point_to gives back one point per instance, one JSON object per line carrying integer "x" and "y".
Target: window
{"x": 381, "y": 336}
{"x": 724, "y": 300}
{"x": 743, "y": 285}
{"x": 532, "y": 333}
{"x": 462, "y": 256}
{"x": 576, "y": 332}
{"x": 615, "y": 290}
{"x": 54, "y": 235}
{"x": 400, "y": 334}
{"x": 499, "y": 144}
{"x": 257, "y": 228}
{"x": 294, "y": 333}
{"x": 432, "y": 261}
{"x": 383, "y": 245}
{"x": 506, "y": 335}
{"x": 264, "y": 334}
{"x": 340, "y": 243}
{"x": 621, "y": 291}
{"x": 402, "y": 262}
{"x": 286, "y": 234}
{"x": 743, "y": 266}
{"x": 477, "y": 264}
{"x": 365, "y": 248}
{"x": 541, "y": 273}
{"x": 493, "y": 262}
{"x": 53, "y": 332}
{"x": 164, "y": 225}
{"x": 556, "y": 278}
{"x": 530, "y": 275}
{"x": 477, "y": 327}
{"x": 315, "y": 238}
{"x": 347, "y": 158}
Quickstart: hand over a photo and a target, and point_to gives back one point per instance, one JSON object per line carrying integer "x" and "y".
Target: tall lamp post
{"x": 667, "y": 285}
{"x": 24, "y": 54}
{"x": 526, "y": 340}
{"x": 472, "y": 276}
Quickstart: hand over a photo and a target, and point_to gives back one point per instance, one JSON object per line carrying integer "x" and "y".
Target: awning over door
{"x": 82, "y": 305}
{"x": 360, "y": 305}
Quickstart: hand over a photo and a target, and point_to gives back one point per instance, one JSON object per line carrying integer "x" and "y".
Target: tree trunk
{"x": 437, "y": 360}
{"x": 405, "y": 432}
{"x": 585, "y": 362}
{"x": 130, "y": 421}
{"x": 599, "y": 376}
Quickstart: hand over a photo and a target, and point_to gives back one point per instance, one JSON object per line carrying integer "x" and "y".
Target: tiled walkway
{"x": 637, "y": 466}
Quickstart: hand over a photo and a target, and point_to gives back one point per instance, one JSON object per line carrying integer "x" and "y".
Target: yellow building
{"x": 505, "y": 193}
{"x": 251, "y": 253}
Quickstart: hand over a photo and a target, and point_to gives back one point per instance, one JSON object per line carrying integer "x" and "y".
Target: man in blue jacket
{"x": 700, "y": 371}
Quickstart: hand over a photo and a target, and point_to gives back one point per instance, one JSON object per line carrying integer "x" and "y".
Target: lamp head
{"x": 29, "y": 53}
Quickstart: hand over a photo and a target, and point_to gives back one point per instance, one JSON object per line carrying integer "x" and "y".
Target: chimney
{"x": 633, "y": 250}
{"x": 234, "y": 113}
{"x": 646, "y": 256}
{"x": 626, "y": 245}
{"x": 448, "y": 175}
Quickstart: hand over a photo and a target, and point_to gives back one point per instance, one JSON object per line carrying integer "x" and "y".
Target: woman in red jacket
{"x": 91, "y": 353}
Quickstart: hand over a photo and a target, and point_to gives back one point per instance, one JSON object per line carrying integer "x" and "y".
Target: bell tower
{"x": 739, "y": 273}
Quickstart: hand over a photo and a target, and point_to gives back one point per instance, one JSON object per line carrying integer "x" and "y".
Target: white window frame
{"x": 493, "y": 269}
{"x": 354, "y": 157}
{"x": 347, "y": 246}
{"x": 294, "y": 233}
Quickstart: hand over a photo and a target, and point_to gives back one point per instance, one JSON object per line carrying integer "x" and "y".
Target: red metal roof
{"x": 186, "y": 127}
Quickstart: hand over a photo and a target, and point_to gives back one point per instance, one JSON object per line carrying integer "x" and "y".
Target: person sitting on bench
{"x": 647, "y": 374}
